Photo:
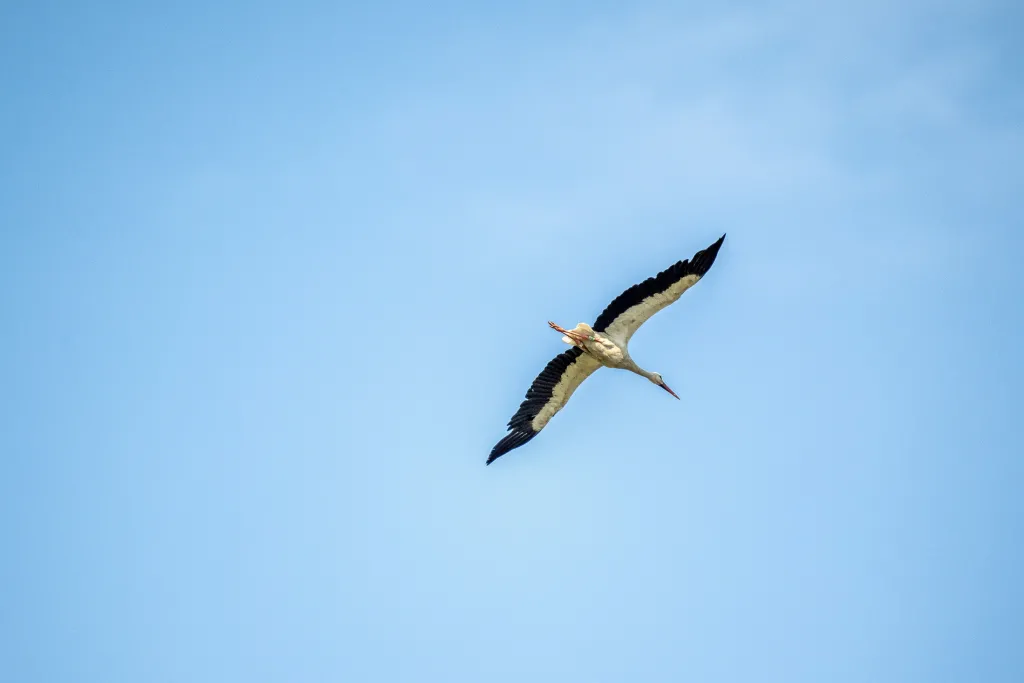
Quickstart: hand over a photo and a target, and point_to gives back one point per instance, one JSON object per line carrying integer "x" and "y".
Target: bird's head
{"x": 657, "y": 379}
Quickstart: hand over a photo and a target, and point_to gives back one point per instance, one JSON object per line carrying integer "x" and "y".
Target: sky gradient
{"x": 275, "y": 275}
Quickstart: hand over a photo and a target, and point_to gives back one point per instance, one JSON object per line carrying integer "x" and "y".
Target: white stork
{"x": 606, "y": 343}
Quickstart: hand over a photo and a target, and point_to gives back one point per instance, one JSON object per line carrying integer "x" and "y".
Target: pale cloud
{"x": 655, "y": 110}
{"x": 804, "y": 119}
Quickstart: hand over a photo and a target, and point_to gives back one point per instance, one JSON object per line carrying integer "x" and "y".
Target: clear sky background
{"x": 274, "y": 276}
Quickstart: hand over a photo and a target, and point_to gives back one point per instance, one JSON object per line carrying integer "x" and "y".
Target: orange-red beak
{"x": 665, "y": 387}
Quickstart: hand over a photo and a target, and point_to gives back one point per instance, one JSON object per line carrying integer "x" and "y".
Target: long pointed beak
{"x": 665, "y": 387}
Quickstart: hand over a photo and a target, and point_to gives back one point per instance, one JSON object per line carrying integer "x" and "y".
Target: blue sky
{"x": 275, "y": 276}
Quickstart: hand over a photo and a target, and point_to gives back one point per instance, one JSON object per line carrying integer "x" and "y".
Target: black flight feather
{"x": 537, "y": 397}
{"x": 698, "y": 265}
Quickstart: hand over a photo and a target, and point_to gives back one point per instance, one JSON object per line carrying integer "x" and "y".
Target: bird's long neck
{"x": 632, "y": 366}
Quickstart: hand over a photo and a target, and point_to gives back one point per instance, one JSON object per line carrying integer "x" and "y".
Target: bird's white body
{"x": 610, "y": 352}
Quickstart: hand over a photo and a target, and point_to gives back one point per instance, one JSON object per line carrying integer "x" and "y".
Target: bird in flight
{"x": 603, "y": 344}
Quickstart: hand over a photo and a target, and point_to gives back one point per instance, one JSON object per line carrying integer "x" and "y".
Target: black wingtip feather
{"x": 705, "y": 258}
{"x": 513, "y": 439}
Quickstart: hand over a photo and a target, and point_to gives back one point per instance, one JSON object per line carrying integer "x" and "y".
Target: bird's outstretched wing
{"x": 632, "y": 308}
{"x": 546, "y": 396}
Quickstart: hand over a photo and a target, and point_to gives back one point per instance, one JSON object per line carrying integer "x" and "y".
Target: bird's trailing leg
{"x": 573, "y": 336}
